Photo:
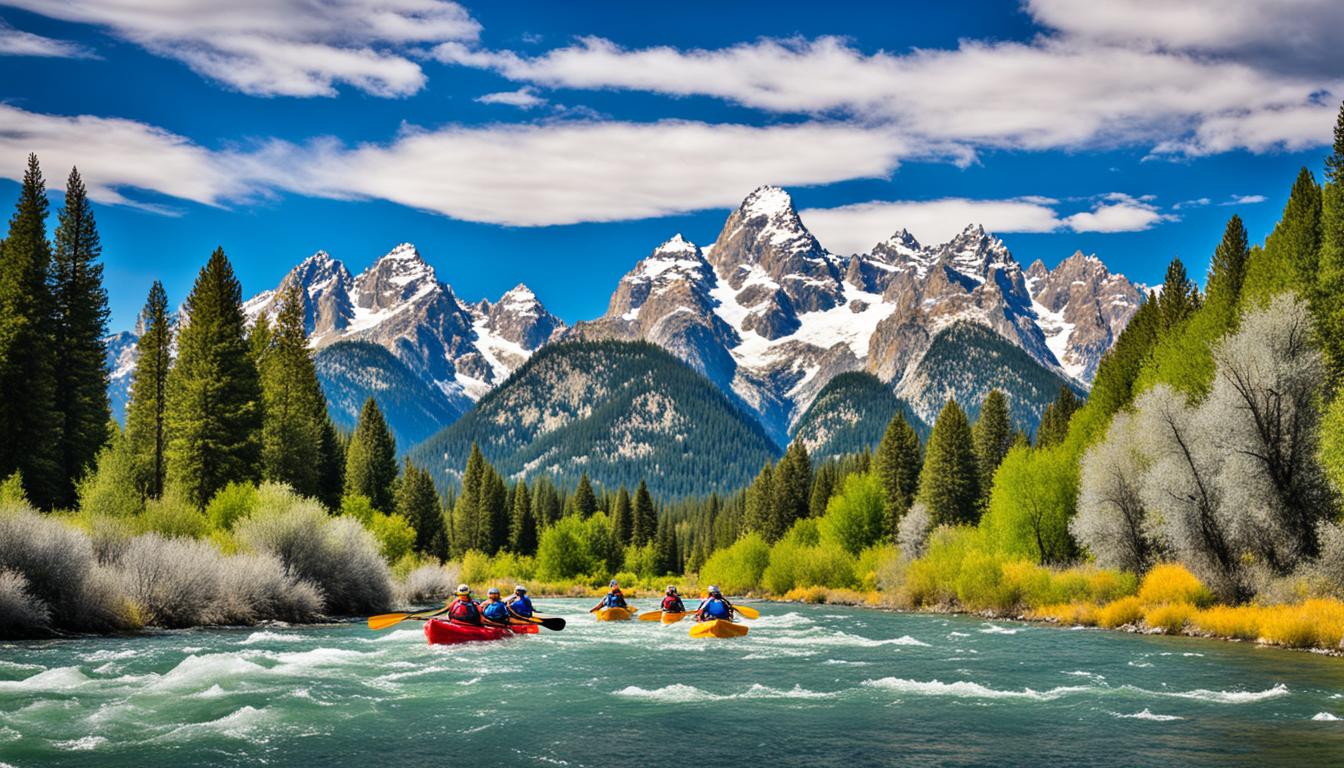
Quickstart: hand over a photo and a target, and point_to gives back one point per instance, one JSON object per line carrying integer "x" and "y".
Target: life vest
{"x": 614, "y": 599}
{"x": 495, "y": 610}
{"x": 716, "y": 608}
{"x": 465, "y": 611}
{"x": 673, "y": 604}
{"x": 521, "y": 605}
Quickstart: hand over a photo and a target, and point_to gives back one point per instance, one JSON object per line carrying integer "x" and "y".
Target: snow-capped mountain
{"x": 400, "y": 304}
{"x": 769, "y": 314}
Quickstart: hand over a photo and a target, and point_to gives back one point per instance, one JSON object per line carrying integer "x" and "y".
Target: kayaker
{"x": 672, "y": 601}
{"x": 520, "y": 604}
{"x": 715, "y": 606}
{"x": 614, "y": 598}
{"x": 494, "y": 610}
{"x": 464, "y": 610}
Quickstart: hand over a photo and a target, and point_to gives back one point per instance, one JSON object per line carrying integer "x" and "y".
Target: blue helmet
{"x": 713, "y": 590}
{"x": 613, "y": 584}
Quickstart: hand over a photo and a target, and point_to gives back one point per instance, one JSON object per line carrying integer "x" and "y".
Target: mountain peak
{"x": 767, "y": 201}
{"x": 676, "y": 246}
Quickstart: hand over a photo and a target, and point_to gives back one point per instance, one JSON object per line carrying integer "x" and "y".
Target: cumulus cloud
{"x": 16, "y": 42}
{"x": 1058, "y": 91}
{"x": 856, "y": 228}
{"x": 523, "y": 175}
{"x": 1244, "y": 200}
{"x": 523, "y": 98}
{"x": 280, "y": 47}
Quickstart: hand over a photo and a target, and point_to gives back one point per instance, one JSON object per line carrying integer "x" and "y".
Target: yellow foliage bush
{"x": 1172, "y": 583}
{"x": 1070, "y": 614}
{"x": 1241, "y": 622}
{"x": 1126, "y": 610}
{"x": 1310, "y": 624}
{"x": 1169, "y": 617}
{"x": 814, "y": 595}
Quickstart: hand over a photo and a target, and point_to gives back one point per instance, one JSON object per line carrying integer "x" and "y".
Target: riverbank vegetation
{"x": 1196, "y": 490}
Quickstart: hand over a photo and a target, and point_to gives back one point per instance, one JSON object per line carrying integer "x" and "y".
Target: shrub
{"x": 58, "y": 564}
{"x": 801, "y": 566}
{"x": 358, "y": 506}
{"x": 1071, "y": 614}
{"x": 232, "y": 502}
{"x": 1171, "y": 618}
{"x": 1242, "y": 622}
{"x": 21, "y": 614}
{"x": 912, "y": 533}
{"x": 562, "y": 551}
{"x": 738, "y": 568}
{"x": 1310, "y": 624}
{"x": 11, "y": 491}
{"x": 427, "y": 584}
{"x": 853, "y": 519}
{"x": 394, "y": 533}
{"x": 931, "y": 580}
{"x": 1172, "y": 583}
{"x": 111, "y": 488}
{"x": 336, "y": 554}
{"x": 814, "y": 595}
{"x": 173, "y": 582}
{"x": 173, "y": 515}
{"x": 256, "y": 588}
{"x": 873, "y": 561}
{"x": 1126, "y": 610}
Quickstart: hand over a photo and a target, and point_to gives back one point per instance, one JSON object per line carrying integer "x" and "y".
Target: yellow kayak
{"x": 614, "y": 614}
{"x": 673, "y": 618}
{"x": 718, "y": 628}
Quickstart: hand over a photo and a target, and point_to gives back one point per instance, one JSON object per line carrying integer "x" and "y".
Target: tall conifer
{"x": 146, "y": 412}
{"x": 371, "y": 459}
{"x": 1328, "y": 296}
{"x": 897, "y": 463}
{"x": 993, "y": 433}
{"x": 949, "y": 484}
{"x": 295, "y": 412}
{"x": 645, "y": 516}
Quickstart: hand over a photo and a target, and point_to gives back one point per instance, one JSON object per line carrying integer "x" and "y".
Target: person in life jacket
{"x": 615, "y": 598}
{"x": 672, "y": 601}
{"x": 494, "y": 610}
{"x": 520, "y": 604}
{"x": 714, "y": 606}
{"x": 463, "y": 609}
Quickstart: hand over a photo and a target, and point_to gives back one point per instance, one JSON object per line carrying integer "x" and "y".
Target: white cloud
{"x": 857, "y": 228}
{"x": 1198, "y": 202}
{"x": 280, "y": 47}
{"x": 1244, "y": 200}
{"x": 523, "y": 98}
{"x": 521, "y": 175}
{"x": 16, "y": 42}
{"x": 1055, "y": 91}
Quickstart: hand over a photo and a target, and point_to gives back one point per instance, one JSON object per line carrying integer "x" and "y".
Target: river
{"x": 811, "y": 685}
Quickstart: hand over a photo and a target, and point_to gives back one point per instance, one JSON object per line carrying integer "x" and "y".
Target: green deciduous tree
{"x": 29, "y": 419}
{"x": 371, "y": 459}
{"x": 214, "y": 396}
{"x": 949, "y": 484}
{"x": 1034, "y": 496}
{"x": 79, "y": 304}
{"x": 854, "y": 518}
{"x": 146, "y": 412}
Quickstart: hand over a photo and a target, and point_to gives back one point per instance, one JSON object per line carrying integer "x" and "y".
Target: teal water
{"x": 811, "y": 685}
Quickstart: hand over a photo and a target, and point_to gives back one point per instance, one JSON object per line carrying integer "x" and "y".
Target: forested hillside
{"x": 850, "y": 414}
{"x": 618, "y": 411}
{"x": 353, "y": 371}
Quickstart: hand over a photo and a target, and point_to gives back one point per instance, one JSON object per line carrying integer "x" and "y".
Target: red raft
{"x": 445, "y": 632}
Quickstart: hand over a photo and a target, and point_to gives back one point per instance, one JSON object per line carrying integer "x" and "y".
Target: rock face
{"x": 772, "y": 317}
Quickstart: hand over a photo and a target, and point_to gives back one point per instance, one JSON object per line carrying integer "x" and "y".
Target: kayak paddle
{"x": 747, "y": 611}
{"x": 383, "y": 621}
{"x": 651, "y": 616}
{"x": 553, "y": 623}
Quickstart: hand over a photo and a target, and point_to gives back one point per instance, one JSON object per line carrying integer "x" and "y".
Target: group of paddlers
{"x": 496, "y": 611}
{"x": 713, "y": 606}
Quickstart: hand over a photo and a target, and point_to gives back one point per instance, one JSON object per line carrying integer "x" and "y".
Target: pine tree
{"x": 214, "y": 396}
{"x": 522, "y": 526}
{"x": 146, "y": 412}
{"x": 371, "y": 459}
{"x": 418, "y": 502}
{"x": 823, "y": 485}
{"x": 993, "y": 434}
{"x": 1291, "y": 256}
{"x": 665, "y": 548}
{"x": 295, "y": 412}
{"x": 1055, "y": 420}
{"x": 494, "y": 506}
{"x": 949, "y": 484}
{"x": 1227, "y": 271}
{"x": 645, "y": 517}
{"x": 546, "y": 505}
{"x": 792, "y": 490}
{"x": 585, "y": 501}
{"x": 29, "y": 419}
{"x": 80, "y": 306}
{"x": 897, "y": 464}
{"x": 1179, "y": 297}
{"x": 331, "y": 473}
{"x": 622, "y": 517}
{"x": 760, "y": 500}
{"x": 1328, "y": 298}
{"x": 470, "y": 524}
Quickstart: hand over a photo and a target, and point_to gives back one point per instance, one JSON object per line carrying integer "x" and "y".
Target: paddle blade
{"x": 553, "y": 623}
{"x": 651, "y": 616}
{"x": 747, "y": 611}
{"x": 383, "y": 621}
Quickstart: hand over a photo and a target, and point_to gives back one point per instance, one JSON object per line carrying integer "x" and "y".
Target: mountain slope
{"x": 353, "y": 371}
{"x": 965, "y": 361}
{"x": 850, "y": 414}
{"x": 619, "y": 411}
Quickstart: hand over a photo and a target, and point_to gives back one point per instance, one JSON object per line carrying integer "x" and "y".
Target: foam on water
{"x": 1147, "y": 714}
{"x": 51, "y": 680}
{"x": 82, "y": 744}
{"x": 1324, "y": 717}
{"x": 964, "y": 689}
{"x": 994, "y": 629}
{"x": 1225, "y": 697}
{"x": 266, "y": 636}
{"x": 680, "y": 693}
{"x": 239, "y": 724}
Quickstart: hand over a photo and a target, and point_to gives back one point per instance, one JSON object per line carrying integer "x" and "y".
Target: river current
{"x": 810, "y": 685}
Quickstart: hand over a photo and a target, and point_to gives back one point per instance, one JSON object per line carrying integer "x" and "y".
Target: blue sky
{"x": 557, "y": 143}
